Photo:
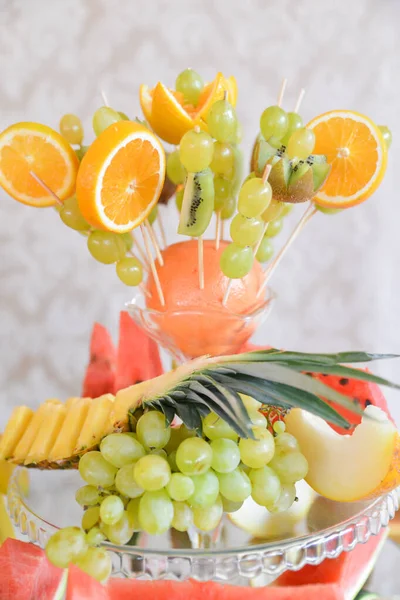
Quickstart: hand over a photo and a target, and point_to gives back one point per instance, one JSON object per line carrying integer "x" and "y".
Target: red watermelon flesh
{"x": 138, "y": 355}
{"x": 26, "y": 574}
{"x": 349, "y": 571}
{"x": 81, "y": 586}
{"x": 100, "y": 373}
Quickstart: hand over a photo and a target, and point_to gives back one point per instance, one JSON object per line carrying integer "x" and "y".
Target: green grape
{"x": 294, "y": 122}
{"x": 228, "y": 208}
{"x": 183, "y": 516}
{"x": 123, "y": 116}
{"x": 153, "y": 214}
{"x": 250, "y": 403}
{"x": 96, "y": 562}
{"x": 71, "y": 215}
{"x": 128, "y": 240}
{"x": 111, "y": 510}
{"x": 130, "y": 270}
{"x": 236, "y": 262}
{"x": 66, "y": 546}
{"x": 226, "y": 455}
{"x": 103, "y": 118}
{"x": 265, "y": 250}
{"x": 387, "y": 134}
{"x": 229, "y": 506}
{"x": 254, "y": 197}
{"x": 160, "y": 452}
{"x": 95, "y": 537}
{"x": 178, "y": 434}
{"x": 156, "y": 512}
{"x": 125, "y": 482}
{"x": 121, "y": 532}
{"x": 244, "y": 231}
{"x": 286, "y": 442}
{"x": 193, "y": 456}
{"x": 190, "y": 84}
{"x": 257, "y": 453}
{"x": 301, "y": 143}
{"x": 274, "y": 228}
{"x": 289, "y": 466}
{"x": 95, "y": 470}
{"x": 88, "y": 495}
{"x": 285, "y": 500}
{"x": 222, "y": 121}
{"x": 90, "y": 517}
{"x": 81, "y": 151}
{"x": 121, "y": 449}
{"x": 274, "y": 122}
{"x": 172, "y": 461}
{"x": 222, "y": 190}
{"x": 258, "y": 419}
{"x": 179, "y": 198}
{"x": 266, "y": 486}
{"x": 196, "y": 150}
{"x": 132, "y": 511}
{"x": 235, "y": 486}
{"x": 207, "y": 519}
{"x": 327, "y": 211}
{"x": 279, "y": 427}
{"x": 180, "y": 487}
{"x": 239, "y": 133}
{"x": 176, "y": 172}
{"x": 152, "y": 430}
{"x": 152, "y": 472}
{"x": 206, "y": 489}
{"x": 287, "y": 209}
{"x": 106, "y": 247}
{"x": 223, "y": 161}
{"x": 214, "y": 428}
{"x": 71, "y": 129}
{"x": 273, "y": 211}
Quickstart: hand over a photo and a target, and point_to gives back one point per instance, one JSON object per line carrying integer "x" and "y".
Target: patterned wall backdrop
{"x": 338, "y": 288}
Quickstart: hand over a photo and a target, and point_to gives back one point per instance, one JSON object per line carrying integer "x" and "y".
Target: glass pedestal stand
{"x": 228, "y": 555}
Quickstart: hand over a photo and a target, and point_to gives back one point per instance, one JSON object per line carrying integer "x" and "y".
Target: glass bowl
{"x": 189, "y": 333}
{"x": 228, "y": 555}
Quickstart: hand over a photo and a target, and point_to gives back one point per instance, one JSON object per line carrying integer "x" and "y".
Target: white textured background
{"x": 338, "y": 289}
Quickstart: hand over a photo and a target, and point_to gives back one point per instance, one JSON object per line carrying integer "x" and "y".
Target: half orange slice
{"x": 121, "y": 177}
{"x": 27, "y": 148}
{"x": 355, "y": 148}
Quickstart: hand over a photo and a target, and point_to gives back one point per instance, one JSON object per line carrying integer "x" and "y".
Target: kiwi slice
{"x": 279, "y": 178}
{"x": 262, "y": 153}
{"x": 320, "y": 173}
{"x": 197, "y": 204}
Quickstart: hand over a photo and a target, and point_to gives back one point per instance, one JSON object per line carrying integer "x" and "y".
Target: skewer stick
{"x": 222, "y": 229}
{"x": 162, "y": 229}
{"x": 153, "y": 238}
{"x": 282, "y": 91}
{"x": 227, "y": 292}
{"x": 299, "y": 100}
{"x": 152, "y": 264}
{"x": 310, "y": 212}
{"x": 201, "y": 261}
{"x": 139, "y": 250}
{"x": 142, "y": 287}
{"x": 218, "y": 230}
{"x": 104, "y": 97}
{"x": 46, "y": 187}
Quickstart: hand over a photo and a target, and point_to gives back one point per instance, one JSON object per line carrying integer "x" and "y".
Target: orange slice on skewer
{"x": 121, "y": 177}
{"x": 31, "y": 147}
{"x": 355, "y": 148}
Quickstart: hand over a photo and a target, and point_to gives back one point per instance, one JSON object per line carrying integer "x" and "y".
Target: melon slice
{"x": 81, "y": 586}
{"x": 334, "y": 460}
{"x": 100, "y": 373}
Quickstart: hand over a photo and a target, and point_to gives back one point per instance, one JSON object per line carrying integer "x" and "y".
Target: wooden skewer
{"x": 222, "y": 229}
{"x": 139, "y": 250}
{"x": 162, "y": 229}
{"x": 282, "y": 91}
{"x": 142, "y": 287}
{"x": 227, "y": 292}
{"x": 218, "y": 230}
{"x": 46, "y": 187}
{"x": 104, "y": 97}
{"x": 299, "y": 100}
{"x": 152, "y": 264}
{"x": 310, "y": 212}
{"x": 154, "y": 241}
{"x": 201, "y": 261}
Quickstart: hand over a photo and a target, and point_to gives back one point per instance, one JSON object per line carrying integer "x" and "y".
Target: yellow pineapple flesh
{"x": 16, "y": 426}
{"x": 47, "y": 433}
{"x": 24, "y": 445}
{"x": 96, "y": 424}
{"x": 77, "y": 410}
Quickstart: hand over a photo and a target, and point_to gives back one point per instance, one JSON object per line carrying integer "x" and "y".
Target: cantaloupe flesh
{"x": 342, "y": 467}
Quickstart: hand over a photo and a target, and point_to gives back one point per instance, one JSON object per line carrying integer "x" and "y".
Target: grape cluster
{"x": 105, "y": 246}
{"x": 160, "y": 477}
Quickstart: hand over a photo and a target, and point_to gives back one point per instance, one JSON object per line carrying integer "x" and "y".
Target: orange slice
{"x": 121, "y": 177}
{"x": 26, "y": 147}
{"x": 355, "y": 148}
{"x": 146, "y": 101}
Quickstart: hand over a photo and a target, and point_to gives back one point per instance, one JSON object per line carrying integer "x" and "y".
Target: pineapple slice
{"x": 77, "y": 410}
{"x": 28, "y": 437}
{"x": 16, "y": 426}
{"x": 47, "y": 433}
{"x": 97, "y": 423}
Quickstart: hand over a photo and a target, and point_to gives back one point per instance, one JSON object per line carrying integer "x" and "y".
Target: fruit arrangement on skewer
{"x": 180, "y": 449}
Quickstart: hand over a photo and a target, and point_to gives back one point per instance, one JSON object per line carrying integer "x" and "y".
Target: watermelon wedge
{"x": 100, "y": 373}
{"x": 26, "y": 574}
{"x": 138, "y": 355}
{"x": 81, "y": 586}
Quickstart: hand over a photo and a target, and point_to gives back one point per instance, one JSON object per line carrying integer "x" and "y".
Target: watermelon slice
{"x": 100, "y": 373}
{"x": 81, "y": 586}
{"x": 25, "y": 573}
{"x": 138, "y": 355}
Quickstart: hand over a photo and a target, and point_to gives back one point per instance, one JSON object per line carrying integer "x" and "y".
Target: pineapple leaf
{"x": 276, "y": 355}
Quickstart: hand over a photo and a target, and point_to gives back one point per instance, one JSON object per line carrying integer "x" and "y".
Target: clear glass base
{"x": 229, "y": 554}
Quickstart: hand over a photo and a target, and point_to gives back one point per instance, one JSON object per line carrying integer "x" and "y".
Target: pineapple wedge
{"x": 17, "y": 425}
{"x": 77, "y": 410}
{"x": 28, "y": 437}
{"x": 96, "y": 423}
{"x": 47, "y": 433}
